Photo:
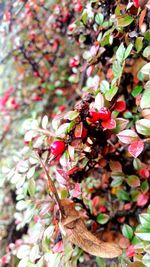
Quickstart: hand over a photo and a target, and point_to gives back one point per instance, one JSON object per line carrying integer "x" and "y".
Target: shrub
{"x": 78, "y": 174}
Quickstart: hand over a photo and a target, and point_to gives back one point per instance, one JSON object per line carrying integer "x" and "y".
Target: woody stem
{"x": 51, "y": 186}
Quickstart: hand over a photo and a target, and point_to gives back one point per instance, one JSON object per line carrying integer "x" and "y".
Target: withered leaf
{"x": 76, "y": 232}
{"x": 136, "y": 264}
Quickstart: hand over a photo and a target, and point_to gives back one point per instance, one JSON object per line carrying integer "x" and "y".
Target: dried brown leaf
{"x": 77, "y": 233}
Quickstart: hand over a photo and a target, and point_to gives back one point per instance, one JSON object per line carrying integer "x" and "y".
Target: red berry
{"x": 136, "y": 3}
{"x": 94, "y": 116}
{"x": 120, "y": 106}
{"x": 37, "y": 98}
{"x": 14, "y": 103}
{"x": 104, "y": 114}
{"x": 78, "y": 7}
{"x": 144, "y": 173}
{"x": 57, "y": 148}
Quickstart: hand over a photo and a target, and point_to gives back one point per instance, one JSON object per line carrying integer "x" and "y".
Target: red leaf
{"x": 61, "y": 176}
{"x": 115, "y": 166}
{"x": 142, "y": 199}
{"x": 124, "y": 242}
{"x": 76, "y": 191}
{"x": 95, "y": 201}
{"x": 142, "y": 16}
{"x": 120, "y": 106}
{"x": 136, "y": 148}
{"x": 130, "y": 251}
{"x": 128, "y": 136}
{"x": 59, "y": 247}
{"x": 73, "y": 170}
{"x": 127, "y": 206}
{"x": 78, "y": 130}
{"x": 89, "y": 70}
{"x": 109, "y": 124}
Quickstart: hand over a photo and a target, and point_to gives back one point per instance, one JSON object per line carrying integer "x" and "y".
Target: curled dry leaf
{"x": 74, "y": 228}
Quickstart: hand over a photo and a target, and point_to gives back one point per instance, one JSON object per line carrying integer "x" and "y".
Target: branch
{"x": 51, "y": 187}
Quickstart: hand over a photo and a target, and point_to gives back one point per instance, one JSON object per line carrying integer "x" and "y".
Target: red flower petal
{"x": 109, "y": 124}
{"x": 136, "y": 148}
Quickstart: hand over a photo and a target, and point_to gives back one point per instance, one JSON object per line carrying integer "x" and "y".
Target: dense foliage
{"x": 75, "y": 133}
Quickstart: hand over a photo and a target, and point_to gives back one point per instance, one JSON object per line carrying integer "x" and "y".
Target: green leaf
{"x": 139, "y": 44}
{"x": 146, "y": 259}
{"x": 143, "y": 126}
{"x": 128, "y": 115}
{"x": 116, "y": 182}
{"x": 143, "y": 233}
{"x": 147, "y": 85}
{"x": 134, "y": 195}
{"x": 34, "y": 253}
{"x": 111, "y": 93}
{"x": 99, "y": 18}
{"x": 102, "y": 218}
{"x": 105, "y": 39}
{"x": 146, "y": 52}
{"x": 145, "y": 220}
{"x": 145, "y": 186}
{"x": 23, "y": 251}
{"x": 117, "y": 69}
{"x": 120, "y": 124}
{"x": 104, "y": 86}
{"x": 70, "y": 127}
{"x": 147, "y": 35}
{"x": 71, "y": 115}
{"x": 117, "y": 10}
{"x": 145, "y": 69}
{"x": 31, "y": 172}
{"x": 133, "y": 181}
{"x": 117, "y": 175}
{"x": 84, "y": 18}
{"x": 123, "y": 195}
{"x": 120, "y": 53}
{"x": 62, "y": 130}
{"x": 124, "y": 20}
{"x": 137, "y": 164}
{"x": 145, "y": 100}
{"x": 31, "y": 187}
{"x": 127, "y": 231}
{"x": 23, "y": 262}
{"x": 100, "y": 262}
{"x": 128, "y": 51}
{"x": 45, "y": 122}
{"x": 137, "y": 90}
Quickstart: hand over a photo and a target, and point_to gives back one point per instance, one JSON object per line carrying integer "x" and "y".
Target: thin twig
{"x": 51, "y": 186}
